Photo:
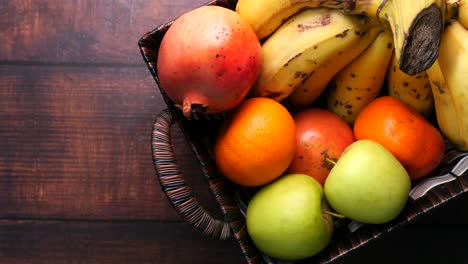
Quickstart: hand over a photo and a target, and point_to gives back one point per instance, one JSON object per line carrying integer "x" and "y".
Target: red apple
{"x": 321, "y": 137}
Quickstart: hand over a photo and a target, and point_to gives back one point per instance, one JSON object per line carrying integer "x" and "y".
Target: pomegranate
{"x": 208, "y": 60}
{"x": 321, "y": 137}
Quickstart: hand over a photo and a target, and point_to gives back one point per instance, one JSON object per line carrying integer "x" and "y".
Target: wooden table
{"x": 77, "y": 181}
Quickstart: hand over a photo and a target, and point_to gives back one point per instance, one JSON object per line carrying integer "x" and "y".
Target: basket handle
{"x": 174, "y": 185}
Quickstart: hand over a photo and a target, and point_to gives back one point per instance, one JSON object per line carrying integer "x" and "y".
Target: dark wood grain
{"x": 104, "y": 242}
{"x": 81, "y": 31}
{"x": 75, "y": 144}
{"x": 76, "y": 110}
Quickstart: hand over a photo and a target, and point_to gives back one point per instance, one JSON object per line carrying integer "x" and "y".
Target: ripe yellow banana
{"x": 446, "y": 113}
{"x": 463, "y": 12}
{"x": 311, "y": 88}
{"x": 359, "y": 82}
{"x": 448, "y": 79}
{"x": 265, "y": 16}
{"x": 416, "y": 24}
{"x": 301, "y": 45}
{"x": 414, "y": 90}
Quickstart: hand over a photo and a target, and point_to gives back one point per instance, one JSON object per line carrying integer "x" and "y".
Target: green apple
{"x": 367, "y": 184}
{"x": 287, "y": 218}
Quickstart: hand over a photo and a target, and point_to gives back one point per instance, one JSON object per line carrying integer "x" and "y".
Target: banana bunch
{"x": 348, "y": 50}
{"x": 416, "y": 25}
{"x": 303, "y": 43}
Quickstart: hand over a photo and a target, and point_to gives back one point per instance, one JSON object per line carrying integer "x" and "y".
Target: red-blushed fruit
{"x": 208, "y": 60}
{"x": 321, "y": 137}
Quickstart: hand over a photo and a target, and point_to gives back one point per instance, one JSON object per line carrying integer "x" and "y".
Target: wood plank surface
{"x": 81, "y": 31}
{"x": 45, "y": 242}
{"x": 430, "y": 240}
{"x": 75, "y": 143}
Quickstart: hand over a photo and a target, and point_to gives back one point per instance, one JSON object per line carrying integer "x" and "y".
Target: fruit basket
{"x": 233, "y": 199}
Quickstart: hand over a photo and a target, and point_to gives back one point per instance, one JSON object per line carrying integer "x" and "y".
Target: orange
{"x": 256, "y": 144}
{"x": 415, "y": 142}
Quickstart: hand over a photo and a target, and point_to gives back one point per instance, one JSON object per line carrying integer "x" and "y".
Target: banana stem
{"x": 417, "y": 42}
{"x": 417, "y": 27}
{"x": 451, "y": 9}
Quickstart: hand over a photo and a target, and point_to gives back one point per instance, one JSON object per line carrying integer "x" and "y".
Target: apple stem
{"x": 335, "y": 214}
{"x": 330, "y": 160}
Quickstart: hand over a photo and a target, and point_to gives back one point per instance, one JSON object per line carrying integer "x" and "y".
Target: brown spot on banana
{"x": 428, "y": 97}
{"x": 324, "y": 21}
{"x": 273, "y": 94}
{"x": 299, "y": 74}
{"x": 439, "y": 86}
{"x": 343, "y": 34}
{"x": 395, "y": 34}
{"x": 291, "y": 59}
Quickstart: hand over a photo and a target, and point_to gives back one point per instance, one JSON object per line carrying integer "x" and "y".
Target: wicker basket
{"x": 231, "y": 198}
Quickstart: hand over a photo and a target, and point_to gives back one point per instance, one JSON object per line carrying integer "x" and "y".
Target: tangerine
{"x": 256, "y": 143}
{"x": 415, "y": 142}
